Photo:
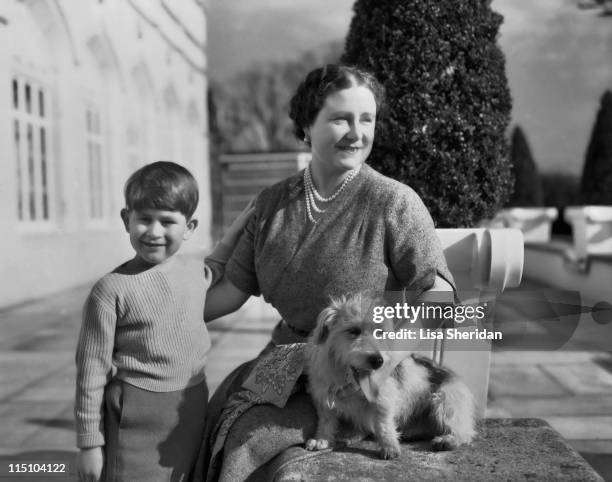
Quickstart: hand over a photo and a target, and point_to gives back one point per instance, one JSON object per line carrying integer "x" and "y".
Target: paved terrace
{"x": 572, "y": 390}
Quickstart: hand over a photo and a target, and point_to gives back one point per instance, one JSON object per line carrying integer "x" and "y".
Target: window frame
{"x": 97, "y": 192}
{"x": 35, "y": 209}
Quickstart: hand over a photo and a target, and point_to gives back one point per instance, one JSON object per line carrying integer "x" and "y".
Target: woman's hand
{"x": 232, "y": 235}
{"x": 89, "y": 464}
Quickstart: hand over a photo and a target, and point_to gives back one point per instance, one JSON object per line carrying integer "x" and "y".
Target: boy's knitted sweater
{"x": 149, "y": 327}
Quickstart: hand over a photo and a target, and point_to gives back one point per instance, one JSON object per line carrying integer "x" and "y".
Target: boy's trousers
{"x": 152, "y": 436}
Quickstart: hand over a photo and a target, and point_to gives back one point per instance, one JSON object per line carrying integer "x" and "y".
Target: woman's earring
{"x": 306, "y": 139}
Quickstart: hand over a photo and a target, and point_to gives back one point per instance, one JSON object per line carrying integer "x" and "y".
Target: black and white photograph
{"x": 274, "y": 240}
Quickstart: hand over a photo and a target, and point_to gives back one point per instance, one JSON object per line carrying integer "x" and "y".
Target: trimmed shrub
{"x": 449, "y": 102}
{"x": 527, "y": 184}
{"x": 596, "y": 183}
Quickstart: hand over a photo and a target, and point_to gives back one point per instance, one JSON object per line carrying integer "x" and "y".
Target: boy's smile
{"x": 156, "y": 234}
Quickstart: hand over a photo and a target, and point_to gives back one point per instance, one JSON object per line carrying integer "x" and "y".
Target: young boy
{"x": 141, "y": 392}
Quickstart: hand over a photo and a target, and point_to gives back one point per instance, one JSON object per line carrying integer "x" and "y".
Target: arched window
{"x": 99, "y": 78}
{"x": 31, "y": 119}
{"x": 96, "y": 165}
{"x": 170, "y": 128}
{"x": 31, "y": 148}
{"x": 192, "y": 139}
{"x": 141, "y": 129}
{"x": 135, "y": 158}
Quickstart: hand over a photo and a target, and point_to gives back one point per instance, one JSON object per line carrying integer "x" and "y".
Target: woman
{"x": 337, "y": 227}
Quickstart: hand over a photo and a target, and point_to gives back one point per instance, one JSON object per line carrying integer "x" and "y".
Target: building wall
{"x": 92, "y": 89}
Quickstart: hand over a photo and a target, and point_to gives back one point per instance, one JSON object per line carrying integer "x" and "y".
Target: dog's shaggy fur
{"x": 418, "y": 400}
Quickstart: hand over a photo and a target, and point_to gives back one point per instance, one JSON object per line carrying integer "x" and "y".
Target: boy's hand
{"x": 89, "y": 464}
{"x": 233, "y": 233}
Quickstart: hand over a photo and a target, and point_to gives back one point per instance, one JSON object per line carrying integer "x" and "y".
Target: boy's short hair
{"x": 162, "y": 185}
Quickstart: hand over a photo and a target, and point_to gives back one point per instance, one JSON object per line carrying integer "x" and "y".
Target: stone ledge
{"x": 564, "y": 248}
{"x": 505, "y": 449}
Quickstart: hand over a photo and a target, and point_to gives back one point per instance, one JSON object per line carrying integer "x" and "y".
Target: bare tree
{"x": 250, "y": 109}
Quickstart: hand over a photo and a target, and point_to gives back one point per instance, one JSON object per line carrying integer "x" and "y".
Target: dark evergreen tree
{"x": 527, "y": 183}
{"x": 596, "y": 183}
{"x": 449, "y": 102}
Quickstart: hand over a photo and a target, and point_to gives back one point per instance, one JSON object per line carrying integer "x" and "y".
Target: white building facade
{"x": 90, "y": 90}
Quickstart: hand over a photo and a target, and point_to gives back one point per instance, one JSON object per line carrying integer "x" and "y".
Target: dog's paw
{"x": 317, "y": 444}
{"x": 443, "y": 442}
{"x": 390, "y": 451}
{"x": 351, "y": 439}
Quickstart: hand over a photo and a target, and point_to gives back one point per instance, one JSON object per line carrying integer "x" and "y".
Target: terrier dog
{"x": 418, "y": 400}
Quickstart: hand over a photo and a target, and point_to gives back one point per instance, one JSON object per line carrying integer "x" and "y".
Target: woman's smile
{"x": 349, "y": 149}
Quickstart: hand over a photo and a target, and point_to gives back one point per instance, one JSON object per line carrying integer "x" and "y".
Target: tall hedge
{"x": 449, "y": 102}
{"x": 596, "y": 182}
{"x": 527, "y": 183}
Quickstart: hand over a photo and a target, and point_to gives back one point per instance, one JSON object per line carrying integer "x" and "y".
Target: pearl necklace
{"x": 312, "y": 195}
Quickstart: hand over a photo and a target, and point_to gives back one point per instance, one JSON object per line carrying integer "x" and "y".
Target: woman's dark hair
{"x": 310, "y": 95}
{"x": 162, "y": 185}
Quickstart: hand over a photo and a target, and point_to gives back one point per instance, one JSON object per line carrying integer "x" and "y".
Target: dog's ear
{"x": 324, "y": 320}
